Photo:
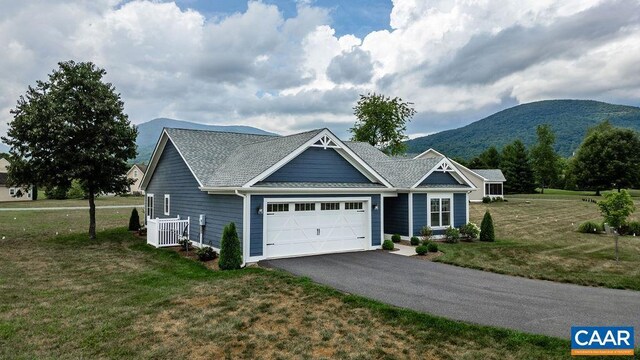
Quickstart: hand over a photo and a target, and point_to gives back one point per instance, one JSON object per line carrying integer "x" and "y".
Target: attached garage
{"x": 295, "y": 227}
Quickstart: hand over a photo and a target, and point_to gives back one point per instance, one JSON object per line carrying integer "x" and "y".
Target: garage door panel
{"x": 315, "y": 231}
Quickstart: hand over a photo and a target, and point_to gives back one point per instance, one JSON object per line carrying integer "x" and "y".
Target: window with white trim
{"x": 277, "y": 208}
{"x": 12, "y": 191}
{"x": 149, "y": 208}
{"x": 167, "y": 204}
{"x": 440, "y": 212}
{"x": 353, "y": 206}
{"x": 493, "y": 189}
{"x": 330, "y": 206}
{"x": 305, "y": 207}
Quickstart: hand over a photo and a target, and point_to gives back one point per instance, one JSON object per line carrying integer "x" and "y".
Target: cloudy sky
{"x": 287, "y": 66}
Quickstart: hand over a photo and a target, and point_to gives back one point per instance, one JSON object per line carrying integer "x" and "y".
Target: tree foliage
{"x": 609, "y": 157}
{"x": 230, "y": 250}
{"x": 488, "y": 159}
{"x": 381, "y": 121}
{"x": 544, "y": 158}
{"x": 72, "y": 127}
{"x": 517, "y": 169}
{"x": 616, "y": 208}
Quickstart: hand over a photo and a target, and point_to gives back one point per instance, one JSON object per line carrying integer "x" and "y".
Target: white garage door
{"x": 315, "y": 227}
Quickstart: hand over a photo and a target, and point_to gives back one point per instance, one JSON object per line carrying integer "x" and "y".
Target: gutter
{"x": 244, "y": 226}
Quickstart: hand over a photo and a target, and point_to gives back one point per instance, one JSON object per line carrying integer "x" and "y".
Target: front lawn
{"x": 537, "y": 239}
{"x": 100, "y": 201}
{"x": 68, "y": 297}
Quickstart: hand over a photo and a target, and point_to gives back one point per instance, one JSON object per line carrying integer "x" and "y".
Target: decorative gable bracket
{"x": 325, "y": 142}
{"x": 445, "y": 167}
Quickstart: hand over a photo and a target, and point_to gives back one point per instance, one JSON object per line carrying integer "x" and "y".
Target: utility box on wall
{"x": 202, "y": 221}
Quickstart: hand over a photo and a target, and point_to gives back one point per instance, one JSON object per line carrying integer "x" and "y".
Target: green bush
{"x": 451, "y": 235}
{"x": 56, "y": 192}
{"x": 206, "y": 253}
{"x": 395, "y": 238}
{"x": 487, "y": 232}
{"x": 425, "y": 242}
{"x": 426, "y": 233}
{"x": 470, "y": 230}
{"x": 633, "y": 228}
{"x": 486, "y": 199}
{"x": 590, "y": 227}
{"x": 230, "y": 250}
{"x": 76, "y": 191}
{"x": 415, "y": 241}
{"x": 387, "y": 245}
{"x": 421, "y": 250}
{"x": 134, "y": 220}
{"x": 432, "y": 247}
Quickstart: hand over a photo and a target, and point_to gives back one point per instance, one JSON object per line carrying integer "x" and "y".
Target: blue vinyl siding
{"x": 318, "y": 165}
{"x": 460, "y": 208}
{"x": 257, "y": 221}
{"x": 438, "y": 177}
{"x": 396, "y": 215}
{"x": 172, "y": 176}
{"x": 419, "y": 213}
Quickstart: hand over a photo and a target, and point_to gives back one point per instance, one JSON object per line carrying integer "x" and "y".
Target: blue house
{"x": 303, "y": 194}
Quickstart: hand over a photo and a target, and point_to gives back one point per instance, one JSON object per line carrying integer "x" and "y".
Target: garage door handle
{"x": 360, "y": 237}
{"x": 317, "y": 231}
{"x": 271, "y": 244}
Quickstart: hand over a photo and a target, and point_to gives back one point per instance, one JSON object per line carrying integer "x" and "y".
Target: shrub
{"x": 486, "y": 228}
{"x": 470, "y": 230}
{"x": 432, "y": 247}
{"x": 206, "y": 253}
{"x": 134, "y": 220}
{"x": 590, "y": 227}
{"x": 486, "y": 199}
{"x": 56, "y": 192}
{"x": 633, "y": 228}
{"x": 230, "y": 250}
{"x": 395, "y": 238}
{"x": 76, "y": 191}
{"x": 451, "y": 234}
{"x": 421, "y": 250}
{"x": 415, "y": 241}
{"x": 387, "y": 245}
{"x": 426, "y": 233}
{"x": 185, "y": 243}
{"x": 497, "y": 199}
{"x": 425, "y": 242}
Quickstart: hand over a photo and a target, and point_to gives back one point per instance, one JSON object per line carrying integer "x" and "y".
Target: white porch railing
{"x": 166, "y": 232}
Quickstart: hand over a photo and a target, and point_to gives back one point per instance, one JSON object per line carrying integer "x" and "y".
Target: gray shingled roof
{"x": 490, "y": 174}
{"x": 222, "y": 159}
{"x": 318, "y": 185}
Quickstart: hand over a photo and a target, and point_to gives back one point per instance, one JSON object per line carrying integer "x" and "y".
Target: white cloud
{"x": 288, "y": 74}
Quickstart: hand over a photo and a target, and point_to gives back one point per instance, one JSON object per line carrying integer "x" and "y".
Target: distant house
{"x": 136, "y": 172}
{"x": 488, "y": 182}
{"x": 302, "y": 194}
{"x": 12, "y": 193}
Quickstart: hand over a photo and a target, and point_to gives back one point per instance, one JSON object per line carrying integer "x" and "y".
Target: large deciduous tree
{"x": 517, "y": 169}
{"x": 382, "y": 122}
{"x": 72, "y": 127}
{"x": 544, "y": 158}
{"x": 608, "y": 157}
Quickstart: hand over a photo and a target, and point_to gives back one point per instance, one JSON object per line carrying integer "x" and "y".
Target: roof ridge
{"x": 223, "y": 132}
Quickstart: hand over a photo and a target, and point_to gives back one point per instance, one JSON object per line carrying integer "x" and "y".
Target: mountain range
{"x": 569, "y": 119}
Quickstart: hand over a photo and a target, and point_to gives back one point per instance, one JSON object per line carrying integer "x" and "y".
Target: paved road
{"x": 69, "y": 208}
{"x": 533, "y": 306}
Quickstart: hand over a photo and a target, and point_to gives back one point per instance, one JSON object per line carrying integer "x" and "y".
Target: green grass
{"x": 100, "y": 201}
{"x": 68, "y": 297}
{"x": 569, "y": 194}
{"x": 537, "y": 238}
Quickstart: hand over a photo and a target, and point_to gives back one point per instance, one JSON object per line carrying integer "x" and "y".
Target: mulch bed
{"x": 428, "y": 256}
{"x": 191, "y": 254}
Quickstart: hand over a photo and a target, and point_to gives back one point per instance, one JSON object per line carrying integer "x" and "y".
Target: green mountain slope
{"x": 569, "y": 119}
{"x": 149, "y": 132}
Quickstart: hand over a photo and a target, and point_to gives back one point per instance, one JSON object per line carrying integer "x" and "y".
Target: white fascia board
{"x": 351, "y": 158}
{"x": 227, "y": 190}
{"x": 444, "y": 161}
{"x": 427, "y": 151}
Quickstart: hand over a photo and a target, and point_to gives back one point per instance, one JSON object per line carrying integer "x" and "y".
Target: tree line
{"x": 608, "y": 158}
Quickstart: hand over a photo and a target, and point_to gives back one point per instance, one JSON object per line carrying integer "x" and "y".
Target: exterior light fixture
{"x": 259, "y": 210}
{"x": 375, "y": 207}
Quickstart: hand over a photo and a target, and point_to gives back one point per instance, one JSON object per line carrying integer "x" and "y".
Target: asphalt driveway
{"x": 533, "y": 306}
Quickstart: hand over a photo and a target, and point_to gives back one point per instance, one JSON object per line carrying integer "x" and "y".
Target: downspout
{"x": 244, "y": 226}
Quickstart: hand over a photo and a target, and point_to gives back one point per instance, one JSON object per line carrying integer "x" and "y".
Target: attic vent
{"x": 444, "y": 167}
{"x": 325, "y": 142}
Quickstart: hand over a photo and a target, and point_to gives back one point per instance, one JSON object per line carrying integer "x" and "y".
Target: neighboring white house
{"x": 489, "y": 182}
{"x": 137, "y": 173}
{"x": 13, "y": 193}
